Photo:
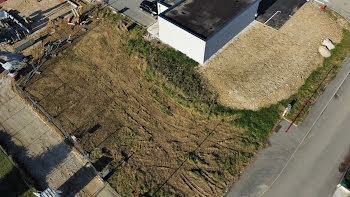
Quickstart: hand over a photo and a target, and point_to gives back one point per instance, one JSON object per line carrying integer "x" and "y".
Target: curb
{"x": 339, "y": 80}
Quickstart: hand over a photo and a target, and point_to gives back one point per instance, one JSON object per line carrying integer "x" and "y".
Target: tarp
{"x": 13, "y": 60}
{"x": 3, "y": 14}
{"x": 7, "y": 66}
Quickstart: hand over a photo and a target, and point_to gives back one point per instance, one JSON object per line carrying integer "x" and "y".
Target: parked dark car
{"x": 150, "y": 7}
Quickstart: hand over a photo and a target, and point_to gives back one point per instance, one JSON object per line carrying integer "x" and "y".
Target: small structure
{"x": 341, "y": 191}
{"x": 199, "y": 28}
{"x": 11, "y": 62}
{"x": 49, "y": 192}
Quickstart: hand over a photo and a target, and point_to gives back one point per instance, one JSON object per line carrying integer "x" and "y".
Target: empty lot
{"x": 263, "y": 66}
{"x": 151, "y": 144}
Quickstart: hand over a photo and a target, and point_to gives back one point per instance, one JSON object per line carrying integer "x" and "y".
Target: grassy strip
{"x": 184, "y": 83}
{"x": 11, "y": 181}
{"x": 178, "y": 77}
{"x": 332, "y": 14}
{"x": 176, "y": 67}
{"x": 314, "y": 85}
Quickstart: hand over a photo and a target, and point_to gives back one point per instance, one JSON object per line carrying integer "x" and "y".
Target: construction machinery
{"x": 75, "y": 18}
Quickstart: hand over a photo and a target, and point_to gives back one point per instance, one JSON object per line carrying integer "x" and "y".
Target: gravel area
{"x": 262, "y": 66}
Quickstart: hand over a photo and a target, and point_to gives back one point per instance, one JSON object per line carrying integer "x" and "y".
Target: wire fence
{"x": 67, "y": 136}
{"x": 48, "y": 52}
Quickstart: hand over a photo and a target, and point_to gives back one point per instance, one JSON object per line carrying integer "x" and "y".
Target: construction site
{"x": 85, "y": 78}
{"x": 22, "y": 21}
{"x": 149, "y": 143}
{"x": 140, "y": 140}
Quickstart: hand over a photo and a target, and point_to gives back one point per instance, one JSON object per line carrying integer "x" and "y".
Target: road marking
{"x": 313, "y": 124}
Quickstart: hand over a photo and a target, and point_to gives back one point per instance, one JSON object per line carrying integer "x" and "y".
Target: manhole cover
{"x": 277, "y": 128}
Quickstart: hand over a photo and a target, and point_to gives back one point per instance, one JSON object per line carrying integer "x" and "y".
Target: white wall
{"x": 161, "y": 7}
{"x": 216, "y": 41}
{"x": 181, "y": 40}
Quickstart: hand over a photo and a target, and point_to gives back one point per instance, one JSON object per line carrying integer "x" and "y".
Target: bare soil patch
{"x": 40, "y": 12}
{"x": 263, "y": 66}
{"x": 152, "y": 144}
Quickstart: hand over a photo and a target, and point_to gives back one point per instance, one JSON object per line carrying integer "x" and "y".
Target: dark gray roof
{"x": 204, "y": 17}
{"x": 170, "y": 2}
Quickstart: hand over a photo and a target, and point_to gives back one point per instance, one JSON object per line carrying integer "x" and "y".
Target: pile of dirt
{"x": 263, "y": 66}
{"x": 151, "y": 144}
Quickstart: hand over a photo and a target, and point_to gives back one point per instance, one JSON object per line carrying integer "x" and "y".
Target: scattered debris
{"x": 148, "y": 36}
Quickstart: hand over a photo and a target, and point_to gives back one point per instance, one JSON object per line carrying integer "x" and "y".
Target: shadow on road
{"x": 42, "y": 165}
{"x": 77, "y": 181}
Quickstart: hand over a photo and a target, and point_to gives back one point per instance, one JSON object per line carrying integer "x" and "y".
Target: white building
{"x": 341, "y": 191}
{"x": 199, "y": 28}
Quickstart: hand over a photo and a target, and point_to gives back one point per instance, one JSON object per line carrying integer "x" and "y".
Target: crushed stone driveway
{"x": 41, "y": 151}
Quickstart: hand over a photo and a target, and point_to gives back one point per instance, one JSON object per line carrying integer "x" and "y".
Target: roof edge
{"x": 162, "y": 15}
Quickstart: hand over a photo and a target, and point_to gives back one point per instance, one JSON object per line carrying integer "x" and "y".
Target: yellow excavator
{"x": 75, "y": 18}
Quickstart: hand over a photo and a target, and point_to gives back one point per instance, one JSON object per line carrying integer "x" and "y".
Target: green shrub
{"x": 182, "y": 73}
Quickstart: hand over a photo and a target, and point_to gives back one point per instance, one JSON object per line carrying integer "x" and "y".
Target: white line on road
{"x": 307, "y": 133}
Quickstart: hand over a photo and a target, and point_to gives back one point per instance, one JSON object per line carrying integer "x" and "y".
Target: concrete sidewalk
{"x": 132, "y": 10}
{"x": 270, "y": 162}
{"x": 341, "y": 6}
{"x": 43, "y": 153}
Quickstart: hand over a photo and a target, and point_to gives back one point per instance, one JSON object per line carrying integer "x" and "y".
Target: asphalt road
{"x": 341, "y": 6}
{"x": 279, "y": 10}
{"x": 131, "y": 9}
{"x": 313, "y": 171}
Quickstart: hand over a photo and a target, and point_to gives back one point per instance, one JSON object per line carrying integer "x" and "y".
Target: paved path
{"x": 271, "y": 161}
{"x": 44, "y": 154}
{"x": 313, "y": 171}
{"x": 131, "y": 9}
{"x": 341, "y": 6}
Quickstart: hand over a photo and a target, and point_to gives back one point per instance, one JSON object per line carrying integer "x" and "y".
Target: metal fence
{"x": 48, "y": 52}
{"x": 67, "y": 136}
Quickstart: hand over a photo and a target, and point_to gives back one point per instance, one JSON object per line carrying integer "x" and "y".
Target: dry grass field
{"x": 144, "y": 111}
{"x": 151, "y": 143}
